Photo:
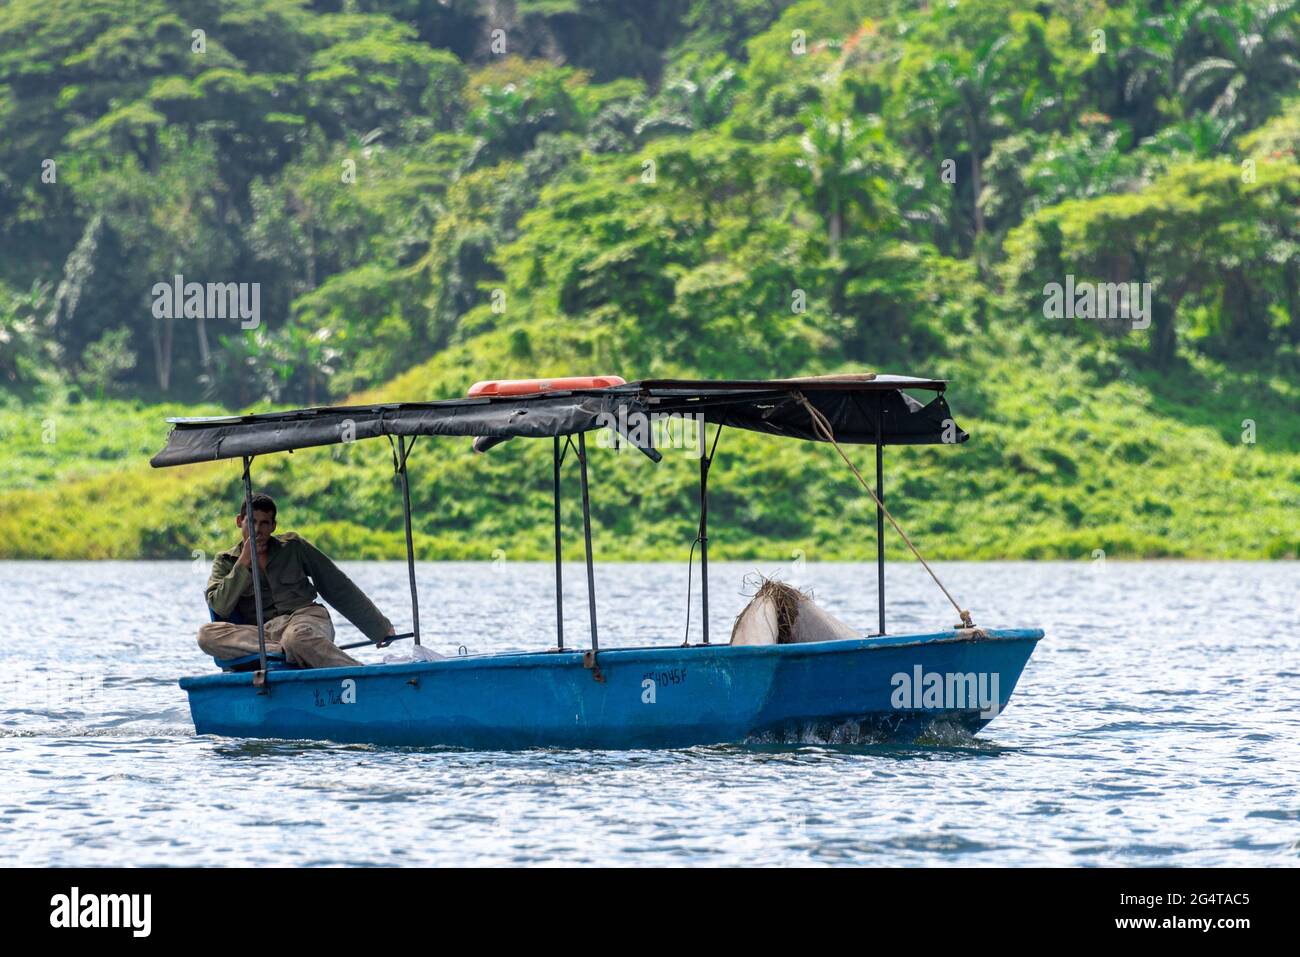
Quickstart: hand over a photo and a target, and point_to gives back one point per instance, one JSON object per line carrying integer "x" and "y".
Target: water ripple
{"x": 1133, "y": 739}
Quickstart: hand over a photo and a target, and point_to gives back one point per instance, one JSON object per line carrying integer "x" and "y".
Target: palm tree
{"x": 1257, "y": 48}
{"x": 695, "y": 102}
{"x": 1159, "y": 56}
{"x": 842, "y": 165}
{"x": 971, "y": 90}
{"x": 512, "y": 117}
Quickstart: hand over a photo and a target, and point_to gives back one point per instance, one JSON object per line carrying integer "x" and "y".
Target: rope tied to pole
{"x": 822, "y": 426}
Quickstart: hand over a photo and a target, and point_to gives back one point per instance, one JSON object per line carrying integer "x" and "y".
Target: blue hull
{"x": 657, "y": 697}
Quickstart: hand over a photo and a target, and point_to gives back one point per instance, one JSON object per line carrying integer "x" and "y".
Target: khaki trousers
{"x": 305, "y": 638}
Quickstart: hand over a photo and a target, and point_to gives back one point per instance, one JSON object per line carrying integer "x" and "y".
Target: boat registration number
{"x": 673, "y": 676}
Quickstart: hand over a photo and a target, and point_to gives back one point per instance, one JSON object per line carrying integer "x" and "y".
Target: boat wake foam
{"x": 942, "y": 733}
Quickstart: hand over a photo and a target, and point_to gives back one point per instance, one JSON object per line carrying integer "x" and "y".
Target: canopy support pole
{"x": 704, "y": 533}
{"x": 880, "y": 512}
{"x": 559, "y": 567}
{"x": 586, "y": 531}
{"x": 706, "y": 462}
{"x": 250, "y": 526}
{"x": 402, "y": 451}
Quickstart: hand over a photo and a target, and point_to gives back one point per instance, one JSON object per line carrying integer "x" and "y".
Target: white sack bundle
{"x": 417, "y": 653}
{"x": 780, "y": 614}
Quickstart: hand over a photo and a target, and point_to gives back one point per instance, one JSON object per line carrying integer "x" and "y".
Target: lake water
{"x": 1157, "y": 724}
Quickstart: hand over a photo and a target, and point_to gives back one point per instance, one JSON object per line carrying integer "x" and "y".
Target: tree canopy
{"x": 716, "y": 187}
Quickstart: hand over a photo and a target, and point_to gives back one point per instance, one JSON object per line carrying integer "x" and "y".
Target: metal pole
{"x": 586, "y": 531}
{"x": 880, "y": 511}
{"x": 559, "y": 568}
{"x": 705, "y": 461}
{"x": 250, "y": 524}
{"x": 410, "y": 544}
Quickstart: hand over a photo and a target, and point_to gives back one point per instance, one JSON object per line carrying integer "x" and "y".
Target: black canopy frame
{"x": 863, "y": 409}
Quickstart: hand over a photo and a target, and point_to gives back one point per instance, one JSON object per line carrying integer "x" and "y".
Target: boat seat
{"x": 250, "y": 663}
{"x": 247, "y": 662}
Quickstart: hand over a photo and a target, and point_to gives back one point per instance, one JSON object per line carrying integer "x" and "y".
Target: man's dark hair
{"x": 261, "y": 503}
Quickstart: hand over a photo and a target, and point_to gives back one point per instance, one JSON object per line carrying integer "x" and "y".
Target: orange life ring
{"x": 533, "y": 386}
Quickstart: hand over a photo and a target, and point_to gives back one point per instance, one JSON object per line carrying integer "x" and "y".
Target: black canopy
{"x": 854, "y": 405}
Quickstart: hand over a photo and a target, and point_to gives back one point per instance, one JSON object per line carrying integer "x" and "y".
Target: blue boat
{"x": 878, "y": 687}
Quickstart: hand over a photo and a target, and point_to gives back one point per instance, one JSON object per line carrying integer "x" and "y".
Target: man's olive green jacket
{"x": 296, "y": 571}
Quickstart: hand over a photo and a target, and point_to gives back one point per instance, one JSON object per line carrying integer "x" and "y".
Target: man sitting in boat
{"x": 293, "y": 572}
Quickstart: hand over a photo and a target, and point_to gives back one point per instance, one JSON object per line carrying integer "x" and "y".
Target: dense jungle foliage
{"x": 427, "y": 194}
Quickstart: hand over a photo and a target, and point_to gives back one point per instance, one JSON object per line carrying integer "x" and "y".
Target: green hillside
{"x": 728, "y": 189}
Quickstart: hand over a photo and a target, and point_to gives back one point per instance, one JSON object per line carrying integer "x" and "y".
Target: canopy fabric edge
{"x": 861, "y": 411}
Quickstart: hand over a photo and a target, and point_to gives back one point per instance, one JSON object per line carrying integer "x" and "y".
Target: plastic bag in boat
{"x": 780, "y": 614}
{"x": 418, "y": 653}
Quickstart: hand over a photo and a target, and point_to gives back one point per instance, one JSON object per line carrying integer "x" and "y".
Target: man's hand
{"x": 246, "y": 553}
{"x": 384, "y": 642}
